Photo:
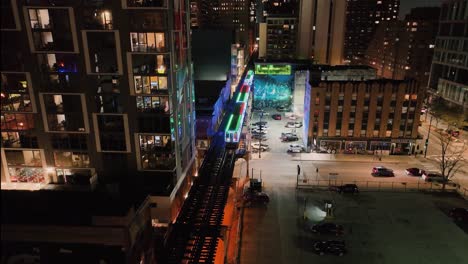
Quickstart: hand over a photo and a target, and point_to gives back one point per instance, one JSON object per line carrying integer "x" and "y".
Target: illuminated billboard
{"x": 272, "y": 69}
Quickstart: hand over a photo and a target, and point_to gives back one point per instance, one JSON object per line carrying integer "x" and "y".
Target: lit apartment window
{"x": 144, "y": 3}
{"x": 17, "y": 122}
{"x": 156, "y": 152}
{"x": 23, "y": 139}
{"x": 64, "y": 112}
{"x": 15, "y": 93}
{"x": 97, "y": 19}
{"x": 73, "y": 159}
{"x": 153, "y": 104}
{"x": 51, "y": 29}
{"x": 25, "y": 166}
{"x": 147, "y": 42}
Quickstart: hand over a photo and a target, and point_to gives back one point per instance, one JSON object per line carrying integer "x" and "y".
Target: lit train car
{"x": 233, "y": 130}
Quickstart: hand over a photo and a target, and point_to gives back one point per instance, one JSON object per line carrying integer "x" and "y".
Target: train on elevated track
{"x": 233, "y": 129}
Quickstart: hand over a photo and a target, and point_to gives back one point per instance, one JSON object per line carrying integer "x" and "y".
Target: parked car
{"x": 283, "y": 108}
{"x": 453, "y": 133}
{"x": 345, "y": 188}
{"x": 260, "y": 123}
{"x": 288, "y": 137}
{"x": 423, "y": 110}
{"x": 334, "y": 247}
{"x": 252, "y": 197}
{"x": 293, "y": 124}
{"x": 414, "y": 172}
{"x": 295, "y": 148}
{"x": 256, "y": 145}
{"x": 263, "y": 113}
{"x": 276, "y": 116}
{"x": 382, "y": 171}
{"x": 459, "y": 214}
{"x": 258, "y": 130}
{"x": 327, "y": 229}
{"x": 432, "y": 177}
{"x": 293, "y": 117}
{"x": 465, "y": 128}
{"x": 259, "y": 137}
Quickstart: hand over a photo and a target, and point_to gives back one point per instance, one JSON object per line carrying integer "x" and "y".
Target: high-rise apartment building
{"x": 362, "y": 18}
{"x": 321, "y": 31}
{"x": 404, "y": 49}
{"x": 449, "y": 71}
{"x": 278, "y": 36}
{"x": 98, "y": 93}
{"x": 231, "y": 15}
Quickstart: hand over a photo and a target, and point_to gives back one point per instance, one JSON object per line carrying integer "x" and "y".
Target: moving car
{"x": 432, "y": 177}
{"x": 295, "y": 148}
{"x": 453, "y": 133}
{"x": 327, "y": 229}
{"x": 293, "y": 117}
{"x": 258, "y": 130}
{"x": 382, "y": 171}
{"x": 334, "y": 247}
{"x": 345, "y": 188}
{"x": 259, "y": 137}
{"x": 276, "y": 116}
{"x": 414, "y": 172}
{"x": 293, "y": 124}
{"x": 252, "y": 197}
{"x": 459, "y": 214}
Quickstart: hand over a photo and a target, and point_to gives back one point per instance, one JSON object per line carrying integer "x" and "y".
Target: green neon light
{"x": 238, "y": 122}
{"x": 229, "y": 122}
{"x": 272, "y": 69}
{"x": 238, "y": 97}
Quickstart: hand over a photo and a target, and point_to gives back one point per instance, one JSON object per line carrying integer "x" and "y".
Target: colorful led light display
{"x": 272, "y": 69}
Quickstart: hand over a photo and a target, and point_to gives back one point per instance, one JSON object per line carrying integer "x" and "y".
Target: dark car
{"x": 327, "y": 229}
{"x": 382, "y": 171}
{"x": 256, "y": 198}
{"x": 289, "y": 138}
{"x": 283, "y": 108}
{"x": 453, "y": 133}
{"x": 459, "y": 214}
{"x": 346, "y": 188}
{"x": 276, "y": 116}
{"x": 260, "y": 123}
{"x": 465, "y": 128}
{"x": 334, "y": 247}
{"x": 414, "y": 172}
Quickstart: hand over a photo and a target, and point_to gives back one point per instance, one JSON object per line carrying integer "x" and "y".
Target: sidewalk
{"x": 351, "y": 158}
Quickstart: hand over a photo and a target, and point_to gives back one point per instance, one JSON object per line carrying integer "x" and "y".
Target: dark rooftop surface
{"x": 51, "y": 207}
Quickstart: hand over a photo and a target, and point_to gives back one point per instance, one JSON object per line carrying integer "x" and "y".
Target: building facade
{"x": 322, "y": 31}
{"x": 278, "y": 38}
{"x": 362, "y": 19}
{"x": 449, "y": 71}
{"x": 357, "y": 117}
{"x": 98, "y": 92}
{"x": 404, "y": 49}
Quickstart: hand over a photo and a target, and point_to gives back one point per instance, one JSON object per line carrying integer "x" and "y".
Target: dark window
{"x": 69, "y": 141}
{"x": 112, "y": 132}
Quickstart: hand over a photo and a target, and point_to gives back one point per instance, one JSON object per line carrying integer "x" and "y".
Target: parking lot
{"x": 379, "y": 228}
{"x": 275, "y": 128}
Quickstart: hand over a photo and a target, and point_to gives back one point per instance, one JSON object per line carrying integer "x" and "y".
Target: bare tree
{"x": 451, "y": 158}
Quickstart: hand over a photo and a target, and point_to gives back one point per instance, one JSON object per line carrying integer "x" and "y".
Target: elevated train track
{"x": 193, "y": 238}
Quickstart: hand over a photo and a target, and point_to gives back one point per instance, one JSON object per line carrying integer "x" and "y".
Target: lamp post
{"x": 426, "y": 146}
{"x": 260, "y": 137}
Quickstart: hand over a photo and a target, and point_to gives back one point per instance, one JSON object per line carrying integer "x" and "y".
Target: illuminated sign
{"x": 273, "y": 69}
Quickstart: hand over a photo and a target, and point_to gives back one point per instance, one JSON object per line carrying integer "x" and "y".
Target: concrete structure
{"x": 322, "y": 31}
{"x": 361, "y": 116}
{"x": 449, "y": 71}
{"x": 98, "y": 96}
{"x": 362, "y": 19}
{"x": 403, "y": 49}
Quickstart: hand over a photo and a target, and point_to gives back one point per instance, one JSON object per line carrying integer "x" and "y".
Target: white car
{"x": 258, "y": 127}
{"x": 295, "y": 148}
{"x": 256, "y": 145}
{"x": 293, "y": 117}
{"x": 258, "y": 130}
{"x": 293, "y": 124}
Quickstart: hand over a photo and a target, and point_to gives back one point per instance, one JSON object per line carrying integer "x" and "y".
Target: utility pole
{"x": 426, "y": 146}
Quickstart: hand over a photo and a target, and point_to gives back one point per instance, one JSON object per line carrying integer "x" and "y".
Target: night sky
{"x": 406, "y": 5}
